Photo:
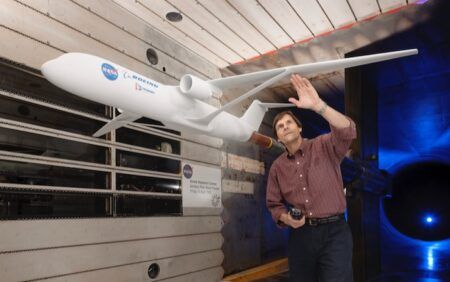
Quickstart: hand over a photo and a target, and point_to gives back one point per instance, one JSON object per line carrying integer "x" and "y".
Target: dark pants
{"x": 321, "y": 253}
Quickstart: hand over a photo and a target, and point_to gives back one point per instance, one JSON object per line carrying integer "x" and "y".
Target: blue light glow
{"x": 423, "y": 255}
{"x": 429, "y": 219}
{"x": 430, "y": 257}
{"x": 412, "y": 108}
{"x": 421, "y": 2}
{"x": 413, "y": 115}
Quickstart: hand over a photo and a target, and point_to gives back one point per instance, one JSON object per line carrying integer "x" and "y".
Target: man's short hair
{"x": 280, "y": 116}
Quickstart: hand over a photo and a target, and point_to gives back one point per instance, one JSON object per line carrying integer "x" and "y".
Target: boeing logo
{"x": 109, "y": 71}
{"x": 139, "y": 87}
{"x": 127, "y": 75}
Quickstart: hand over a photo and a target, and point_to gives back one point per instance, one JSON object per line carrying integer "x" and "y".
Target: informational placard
{"x": 201, "y": 186}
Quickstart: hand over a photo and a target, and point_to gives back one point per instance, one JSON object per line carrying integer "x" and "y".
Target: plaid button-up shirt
{"x": 311, "y": 178}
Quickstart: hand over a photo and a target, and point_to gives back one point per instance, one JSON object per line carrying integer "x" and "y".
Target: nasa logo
{"x": 109, "y": 71}
{"x": 187, "y": 171}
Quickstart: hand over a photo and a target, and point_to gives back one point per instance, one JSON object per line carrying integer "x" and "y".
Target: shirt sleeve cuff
{"x": 276, "y": 217}
{"x": 346, "y": 133}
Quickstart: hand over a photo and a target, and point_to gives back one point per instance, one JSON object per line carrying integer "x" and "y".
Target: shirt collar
{"x": 300, "y": 150}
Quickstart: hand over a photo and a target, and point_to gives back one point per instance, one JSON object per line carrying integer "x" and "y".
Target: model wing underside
{"x": 269, "y": 77}
{"x": 123, "y": 119}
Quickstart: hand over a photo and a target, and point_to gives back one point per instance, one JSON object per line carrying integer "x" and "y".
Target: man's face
{"x": 287, "y": 130}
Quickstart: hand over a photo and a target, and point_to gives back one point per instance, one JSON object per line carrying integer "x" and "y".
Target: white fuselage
{"x": 104, "y": 82}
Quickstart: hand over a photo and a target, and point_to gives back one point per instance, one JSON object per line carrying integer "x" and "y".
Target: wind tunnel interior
{"x": 405, "y": 133}
{"x": 397, "y": 176}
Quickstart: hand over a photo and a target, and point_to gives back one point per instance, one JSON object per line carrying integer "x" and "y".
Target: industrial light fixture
{"x": 174, "y": 16}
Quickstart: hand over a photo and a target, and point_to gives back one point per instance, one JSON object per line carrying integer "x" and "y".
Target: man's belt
{"x": 325, "y": 220}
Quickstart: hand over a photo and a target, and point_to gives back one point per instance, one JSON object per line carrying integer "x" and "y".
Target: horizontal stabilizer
{"x": 255, "y": 113}
{"x": 123, "y": 119}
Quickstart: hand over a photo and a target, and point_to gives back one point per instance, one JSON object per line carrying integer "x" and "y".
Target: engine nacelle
{"x": 195, "y": 87}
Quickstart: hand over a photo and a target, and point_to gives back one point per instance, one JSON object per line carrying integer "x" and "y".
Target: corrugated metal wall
{"x": 108, "y": 247}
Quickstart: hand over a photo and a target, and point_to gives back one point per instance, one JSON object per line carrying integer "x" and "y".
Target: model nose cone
{"x": 56, "y": 72}
{"x": 48, "y": 68}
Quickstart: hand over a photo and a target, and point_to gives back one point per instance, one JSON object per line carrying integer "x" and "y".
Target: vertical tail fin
{"x": 255, "y": 113}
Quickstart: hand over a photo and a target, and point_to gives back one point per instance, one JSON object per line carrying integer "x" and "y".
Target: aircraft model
{"x": 181, "y": 107}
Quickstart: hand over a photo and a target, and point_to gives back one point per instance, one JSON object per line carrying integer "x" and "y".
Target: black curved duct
{"x": 419, "y": 206}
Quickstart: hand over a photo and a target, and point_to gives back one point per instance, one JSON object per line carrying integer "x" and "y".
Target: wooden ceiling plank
{"x": 236, "y": 22}
{"x": 338, "y": 12}
{"x": 259, "y": 18}
{"x": 312, "y": 15}
{"x": 364, "y": 9}
{"x": 286, "y": 17}
{"x": 191, "y": 29}
{"x": 387, "y": 5}
{"x": 159, "y": 24}
{"x": 214, "y": 26}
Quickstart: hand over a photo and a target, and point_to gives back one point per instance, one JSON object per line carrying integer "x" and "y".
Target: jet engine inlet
{"x": 195, "y": 87}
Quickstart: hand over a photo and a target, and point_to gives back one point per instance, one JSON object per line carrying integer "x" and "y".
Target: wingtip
{"x": 99, "y": 133}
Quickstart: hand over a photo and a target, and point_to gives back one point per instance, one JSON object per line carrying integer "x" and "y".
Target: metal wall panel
{"x": 202, "y": 211}
{"x": 200, "y": 153}
{"x": 23, "y": 235}
{"x": 212, "y": 274}
{"x": 240, "y": 187}
{"x": 244, "y": 164}
{"x": 42, "y": 28}
{"x": 99, "y": 249}
{"x": 22, "y": 49}
{"x": 176, "y": 255}
{"x": 84, "y": 21}
{"x": 137, "y": 27}
{"x": 202, "y": 139}
{"x": 136, "y": 272}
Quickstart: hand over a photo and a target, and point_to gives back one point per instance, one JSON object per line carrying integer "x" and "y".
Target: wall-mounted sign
{"x": 201, "y": 186}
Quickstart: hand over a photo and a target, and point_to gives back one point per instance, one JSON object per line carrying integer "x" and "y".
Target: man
{"x": 308, "y": 177}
